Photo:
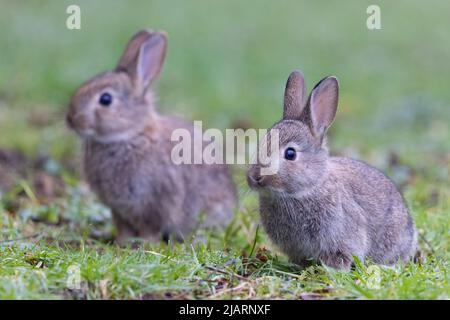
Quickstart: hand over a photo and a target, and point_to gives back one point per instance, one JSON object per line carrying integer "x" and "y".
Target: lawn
{"x": 227, "y": 65}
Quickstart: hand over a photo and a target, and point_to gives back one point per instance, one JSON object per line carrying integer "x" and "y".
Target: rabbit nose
{"x": 77, "y": 121}
{"x": 254, "y": 177}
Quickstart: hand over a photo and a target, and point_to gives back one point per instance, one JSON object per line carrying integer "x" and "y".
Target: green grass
{"x": 227, "y": 63}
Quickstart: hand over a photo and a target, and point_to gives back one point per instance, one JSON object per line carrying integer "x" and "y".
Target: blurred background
{"x": 227, "y": 65}
{"x": 228, "y": 62}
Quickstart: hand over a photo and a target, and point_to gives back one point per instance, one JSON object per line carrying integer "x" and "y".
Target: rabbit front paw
{"x": 338, "y": 261}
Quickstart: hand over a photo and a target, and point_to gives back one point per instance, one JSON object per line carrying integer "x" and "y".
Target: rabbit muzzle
{"x": 79, "y": 123}
{"x": 254, "y": 178}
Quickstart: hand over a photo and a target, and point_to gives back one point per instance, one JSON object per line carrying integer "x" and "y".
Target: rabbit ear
{"x": 294, "y": 96}
{"x": 129, "y": 57}
{"x": 322, "y": 105}
{"x": 151, "y": 59}
{"x": 143, "y": 58}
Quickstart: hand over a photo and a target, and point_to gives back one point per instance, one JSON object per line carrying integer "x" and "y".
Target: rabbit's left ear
{"x": 151, "y": 59}
{"x": 322, "y": 105}
{"x": 144, "y": 57}
{"x": 294, "y": 96}
{"x": 127, "y": 62}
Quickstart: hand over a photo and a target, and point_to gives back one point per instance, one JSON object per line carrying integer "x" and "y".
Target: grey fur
{"x": 329, "y": 209}
{"x": 128, "y": 148}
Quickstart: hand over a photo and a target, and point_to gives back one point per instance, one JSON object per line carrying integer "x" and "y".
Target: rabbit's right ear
{"x": 294, "y": 96}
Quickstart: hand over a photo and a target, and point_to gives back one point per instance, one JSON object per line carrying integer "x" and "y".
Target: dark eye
{"x": 290, "y": 154}
{"x": 105, "y": 99}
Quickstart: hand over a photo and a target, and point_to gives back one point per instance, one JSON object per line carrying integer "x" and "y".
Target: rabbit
{"x": 127, "y": 152}
{"x": 325, "y": 209}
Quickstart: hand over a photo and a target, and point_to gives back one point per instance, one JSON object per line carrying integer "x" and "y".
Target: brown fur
{"x": 324, "y": 208}
{"x": 128, "y": 152}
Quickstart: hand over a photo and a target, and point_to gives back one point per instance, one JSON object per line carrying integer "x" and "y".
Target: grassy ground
{"x": 227, "y": 64}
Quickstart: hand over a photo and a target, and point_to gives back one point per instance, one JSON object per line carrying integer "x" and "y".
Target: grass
{"x": 227, "y": 63}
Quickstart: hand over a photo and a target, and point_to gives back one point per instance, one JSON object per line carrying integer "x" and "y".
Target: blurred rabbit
{"x": 322, "y": 208}
{"x": 128, "y": 146}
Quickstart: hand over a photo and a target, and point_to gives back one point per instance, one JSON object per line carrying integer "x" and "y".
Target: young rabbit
{"x": 322, "y": 208}
{"x": 128, "y": 146}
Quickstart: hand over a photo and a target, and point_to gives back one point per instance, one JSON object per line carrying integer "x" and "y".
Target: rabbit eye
{"x": 105, "y": 99}
{"x": 290, "y": 154}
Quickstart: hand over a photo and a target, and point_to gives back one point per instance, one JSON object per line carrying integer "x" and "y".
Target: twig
{"x": 228, "y": 273}
{"x": 231, "y": 290}
{"x": 427, "y": 243}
